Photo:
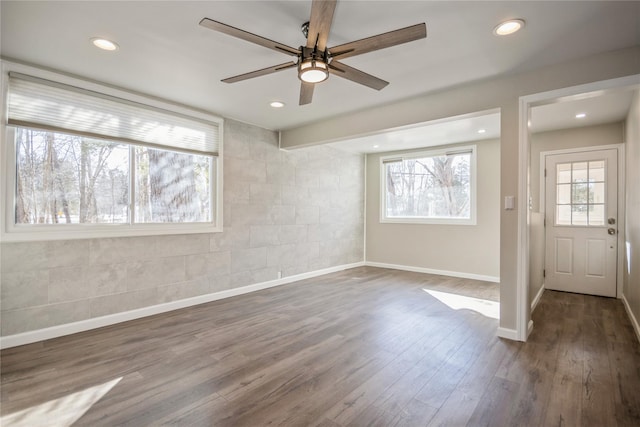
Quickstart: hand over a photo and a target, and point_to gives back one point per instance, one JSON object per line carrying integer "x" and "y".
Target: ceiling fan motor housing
{"x": 313, "y": 65}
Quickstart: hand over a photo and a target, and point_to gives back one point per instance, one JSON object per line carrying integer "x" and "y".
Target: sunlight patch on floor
{"x": 457, "y": 302}
{"x": 63, "y": 411}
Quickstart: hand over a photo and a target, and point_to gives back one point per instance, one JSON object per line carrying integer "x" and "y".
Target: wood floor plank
{"x": 460, "y": 405}
{"x": 366, "y": 346}
{"x": 564, "y": 406}
{"x": 494, "y": 409}
{"x": 624, "y": 358}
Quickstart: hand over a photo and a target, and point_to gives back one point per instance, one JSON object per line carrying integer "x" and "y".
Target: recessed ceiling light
{"x": 376, "y": 146}
{"x": 482, "y": 130}
{"x": 104, "y": 44}
{"x": 277, "y": 104}
{"x": 581, "y": 115}
{"x": 508, "y": 27}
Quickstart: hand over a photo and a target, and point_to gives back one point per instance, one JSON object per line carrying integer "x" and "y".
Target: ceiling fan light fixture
{"x": 508, "y": 27}
{"x": 313, "y": 71}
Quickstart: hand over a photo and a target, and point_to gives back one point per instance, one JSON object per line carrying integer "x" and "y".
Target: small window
{"x": 429, "y": 187}
{"x": 580, "y": 193}
{"x": 86, "y": 164}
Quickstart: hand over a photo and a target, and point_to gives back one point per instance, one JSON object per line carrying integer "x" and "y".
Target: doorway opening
{"x": 552, "y": 121}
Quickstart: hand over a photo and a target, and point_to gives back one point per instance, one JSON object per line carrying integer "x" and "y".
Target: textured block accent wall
{"x": 284, "y": 212}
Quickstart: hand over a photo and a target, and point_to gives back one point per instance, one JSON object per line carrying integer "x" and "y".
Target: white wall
{"x": 469, "y": 249}
{"x": 288, "y": 212}
{"x": 631, "y": 289}
{"x": 503, "y": 93}
{"x": 587, "y": 136}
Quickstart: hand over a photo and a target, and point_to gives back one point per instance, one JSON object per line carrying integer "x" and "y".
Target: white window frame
{"x": 11, "y": 232}
{"x": 430, "y": 153}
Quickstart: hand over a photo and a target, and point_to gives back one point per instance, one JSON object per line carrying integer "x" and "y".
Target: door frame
{"x": 621, "y": 192}
{"x": 524, "y": 324}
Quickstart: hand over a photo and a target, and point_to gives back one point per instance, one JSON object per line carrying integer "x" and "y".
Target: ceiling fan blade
{"x": 381, "y": 41}
{"x": 247, "y": 36}
{"x": 343, "y": 70}
{"x": 259, "y": 73}
{"x": 306, "y": 93}
{"x": 320, "y": 23}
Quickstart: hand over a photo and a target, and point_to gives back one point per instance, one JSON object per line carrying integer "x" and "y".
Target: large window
{"x": 435, "y": 186}
{"x": 85, "y": 164}
{"x": 68, "y": 179}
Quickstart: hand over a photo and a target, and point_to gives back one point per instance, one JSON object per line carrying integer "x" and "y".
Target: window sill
{"x": 429, "y": 221}
{"x": 75, "y": 231}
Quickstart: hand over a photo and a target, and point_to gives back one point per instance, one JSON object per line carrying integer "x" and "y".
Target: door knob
{"x": 611, "y": 231}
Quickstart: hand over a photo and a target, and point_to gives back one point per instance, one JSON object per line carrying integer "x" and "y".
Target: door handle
{"x": 611, "y": 231}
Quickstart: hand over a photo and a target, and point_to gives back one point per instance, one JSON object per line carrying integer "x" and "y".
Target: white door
{"x": 581, "y": 222}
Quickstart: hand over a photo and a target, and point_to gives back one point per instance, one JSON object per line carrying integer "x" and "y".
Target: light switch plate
{"x": 509, "y": 203}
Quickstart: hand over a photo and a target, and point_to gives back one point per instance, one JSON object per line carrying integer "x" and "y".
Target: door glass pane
{"x": 579, "y": 214}
{"x": 596, "y": 171}
{"x": 580, "y": 193}
{"x": 564, "y": 194}
{"x": 596, "y": 215}
{"x": 596, "y": 193}
{"x": 563, "y": 173}
{"x": 563, "y": 215}
{"x": 580, "y": 172}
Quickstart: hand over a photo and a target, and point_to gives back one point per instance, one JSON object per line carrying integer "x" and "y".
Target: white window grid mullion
{"x": 132, "y": 185}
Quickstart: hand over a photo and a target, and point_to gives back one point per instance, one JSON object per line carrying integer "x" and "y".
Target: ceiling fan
{"x": 316, "y": 61}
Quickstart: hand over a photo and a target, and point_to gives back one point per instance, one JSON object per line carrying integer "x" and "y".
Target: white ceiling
{"x": 440, "y": 132}
{"x": 609, "y": 107}
{"x": 165, "y": 53}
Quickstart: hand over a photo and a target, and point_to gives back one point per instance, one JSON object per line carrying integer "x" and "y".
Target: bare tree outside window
{"x": 70, "y": 179}
{"x": 171, "y": 186}
{"x": 429, "y": 187}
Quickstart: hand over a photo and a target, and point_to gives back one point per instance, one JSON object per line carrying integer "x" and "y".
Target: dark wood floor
{"x": 366, "y": 346}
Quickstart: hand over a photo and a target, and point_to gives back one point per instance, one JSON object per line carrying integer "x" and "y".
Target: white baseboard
{"x": 433, "y": 271}
{"x": 529, "y": 328}
{"x": 510, "y": 334}
{"x": 111, "y": 319}
{"x": 632, "y": 317}
{"x": 536, "y": 299}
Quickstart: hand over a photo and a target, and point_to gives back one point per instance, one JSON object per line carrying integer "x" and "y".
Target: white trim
{"x": 522, "y": 260}
{"x": 463, "y": 275}
{"x": 432, "y": 152}
{"x": 536, "y": 299}
{"x": 510, "y": 334}
{"x": 634, "y": 321}
{"x": 622, "y": 220}
{"x": 364, "y": 210}
{"x": 111, "y": 319}
{"x": 525, "y": 102}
